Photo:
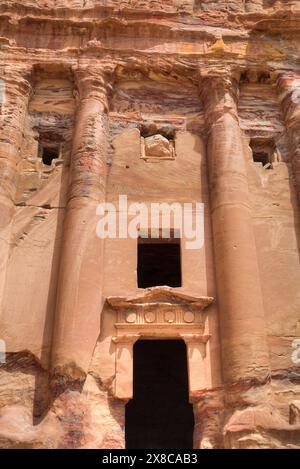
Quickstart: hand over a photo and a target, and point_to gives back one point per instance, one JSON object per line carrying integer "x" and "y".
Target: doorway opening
{"x": 159, "y": 415}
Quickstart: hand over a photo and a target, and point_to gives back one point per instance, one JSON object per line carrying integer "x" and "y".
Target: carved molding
{"x": 160, "y": 311}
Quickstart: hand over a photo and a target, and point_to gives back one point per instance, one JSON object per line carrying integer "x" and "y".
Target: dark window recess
{"x": 264, "y": 152}
{"x": 159, "y": 415}
{"x": 261, "y": 157}
{"x": 49, "y": 154}
{"x": 159, "y": 263}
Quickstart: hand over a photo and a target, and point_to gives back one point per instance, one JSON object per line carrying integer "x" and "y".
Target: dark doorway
{"x": 159, "y": 415}
{"x": 159, "y": 263}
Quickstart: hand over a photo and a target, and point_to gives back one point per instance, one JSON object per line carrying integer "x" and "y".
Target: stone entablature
{"x": 159, "y": 313}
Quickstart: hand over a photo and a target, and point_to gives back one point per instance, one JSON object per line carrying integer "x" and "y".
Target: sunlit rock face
{"x": 178, "y": 101}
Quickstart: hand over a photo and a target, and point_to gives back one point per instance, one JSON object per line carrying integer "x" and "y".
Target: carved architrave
{"x": 159, "y": 313}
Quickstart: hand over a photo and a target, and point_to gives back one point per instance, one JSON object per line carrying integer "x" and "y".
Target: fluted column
{"x": 79, "y": 299}
{"x": 242, "y": 325}
{"x": 15, "y": 92}
{"x": 289, "y": 94}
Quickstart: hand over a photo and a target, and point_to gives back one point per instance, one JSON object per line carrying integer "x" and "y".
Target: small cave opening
{"x": 159, "y": 415}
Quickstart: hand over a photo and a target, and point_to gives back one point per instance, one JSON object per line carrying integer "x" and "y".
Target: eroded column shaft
{"x": 79, "y": 299}
{"x": 242, "y": 324}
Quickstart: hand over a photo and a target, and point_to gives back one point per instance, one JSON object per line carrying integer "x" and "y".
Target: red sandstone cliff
{"x": 84, "y": 79}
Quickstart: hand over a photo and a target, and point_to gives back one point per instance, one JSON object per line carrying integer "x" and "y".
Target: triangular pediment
{"x": 160, "y": 295}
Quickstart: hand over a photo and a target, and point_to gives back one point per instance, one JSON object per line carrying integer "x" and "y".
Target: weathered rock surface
{"x": 211, "y": 89}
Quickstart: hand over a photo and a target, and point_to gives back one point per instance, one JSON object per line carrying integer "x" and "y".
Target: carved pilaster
{"x": 124, "y": 365}
{"x": 244, "y": 346}
{"x": 196, "y": 353}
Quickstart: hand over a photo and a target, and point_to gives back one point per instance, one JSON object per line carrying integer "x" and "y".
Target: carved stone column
{"x": 15, "y": 93}
{"x": 289, "y": 93}
{"x": 242, "y": 324}
{"x": 79, "y": 299}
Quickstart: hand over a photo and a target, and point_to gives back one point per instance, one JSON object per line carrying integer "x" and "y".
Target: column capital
{"x": 195, "y": 338}
{"x": 219, "y": 77}
{"x": 288, "y": 78}
{"x": 94, "y": 82}
{"x": 219, "y": 90}
{"x": 288, "y": 85}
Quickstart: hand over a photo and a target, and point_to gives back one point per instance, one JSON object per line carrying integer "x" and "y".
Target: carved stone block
{"x": 157, "y": 146}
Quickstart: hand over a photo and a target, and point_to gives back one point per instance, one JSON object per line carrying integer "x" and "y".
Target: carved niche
{"x": 159, "y": 313}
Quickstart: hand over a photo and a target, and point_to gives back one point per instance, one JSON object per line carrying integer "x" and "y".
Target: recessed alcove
{"x": 256, "y": 77}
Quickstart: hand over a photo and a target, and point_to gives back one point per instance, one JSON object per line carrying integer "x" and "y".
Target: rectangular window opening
{"x": 159, "y": 262}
